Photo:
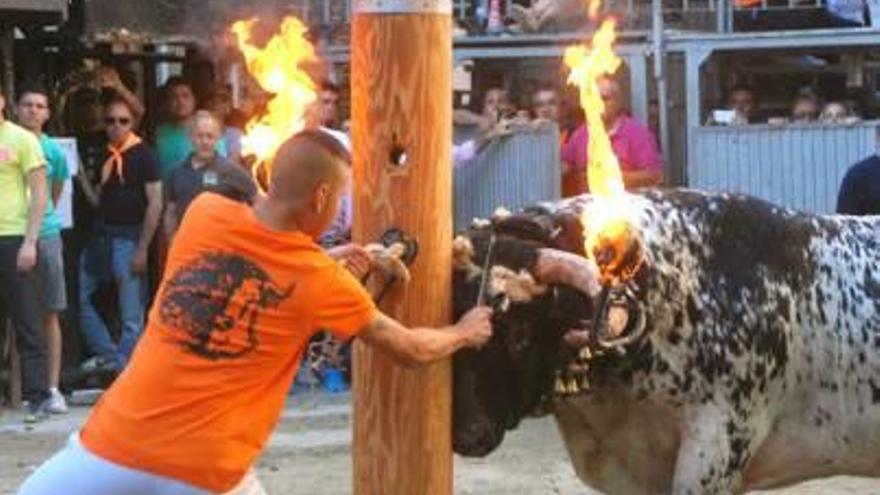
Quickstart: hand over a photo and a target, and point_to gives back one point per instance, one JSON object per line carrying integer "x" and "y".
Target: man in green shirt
{"x": 172, "y": 136}
{"x": 33, "y": 113}
{"x": 23, "y": 189}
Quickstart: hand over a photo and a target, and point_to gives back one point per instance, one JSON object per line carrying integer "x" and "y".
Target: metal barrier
{"x": 512, "y": 172}
{"x": 796, "y": 166}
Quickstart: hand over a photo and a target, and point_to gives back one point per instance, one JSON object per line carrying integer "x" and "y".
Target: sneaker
{"x": 97, "y": 364}
{"x": 57, "y": 404}
{"x": 34, "y": 414}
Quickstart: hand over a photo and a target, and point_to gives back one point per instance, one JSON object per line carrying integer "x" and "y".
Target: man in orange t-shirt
{"x": 244, "y": 289}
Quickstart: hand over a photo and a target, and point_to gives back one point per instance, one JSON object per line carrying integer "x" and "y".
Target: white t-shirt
{"x": 850, "y": 10}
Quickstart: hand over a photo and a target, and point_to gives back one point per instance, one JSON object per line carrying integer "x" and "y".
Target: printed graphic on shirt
{"x": 213, "y": 304}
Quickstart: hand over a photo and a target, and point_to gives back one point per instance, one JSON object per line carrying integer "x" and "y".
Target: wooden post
{"x": 7, "y": 63}
{"x": 401, "y": 90}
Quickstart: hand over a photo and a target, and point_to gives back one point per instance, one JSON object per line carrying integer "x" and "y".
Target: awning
{"x": 178, "y": 20}
{"x": 21, "y": 11}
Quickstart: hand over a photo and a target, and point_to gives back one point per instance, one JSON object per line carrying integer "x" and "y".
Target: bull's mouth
{"x": 619, "y": 322}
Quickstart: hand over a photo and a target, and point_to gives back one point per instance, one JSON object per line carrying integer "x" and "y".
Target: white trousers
{"x": 76, "y": 471}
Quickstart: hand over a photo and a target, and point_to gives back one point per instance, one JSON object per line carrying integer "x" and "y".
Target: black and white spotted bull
{"x": 743, "y": 353}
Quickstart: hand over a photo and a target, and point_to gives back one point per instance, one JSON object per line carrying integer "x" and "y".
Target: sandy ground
{"x": 309, "y": 454}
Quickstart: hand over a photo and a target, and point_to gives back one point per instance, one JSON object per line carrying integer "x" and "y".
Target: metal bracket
{"x": 402, "y": 7}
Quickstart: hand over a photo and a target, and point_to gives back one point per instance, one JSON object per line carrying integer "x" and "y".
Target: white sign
{"x": 64, "y": 208}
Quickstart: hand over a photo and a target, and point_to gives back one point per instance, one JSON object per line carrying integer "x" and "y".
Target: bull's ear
{"x": 569, "y": 234}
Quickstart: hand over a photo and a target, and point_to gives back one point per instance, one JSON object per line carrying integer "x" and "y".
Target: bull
{"x": 742, "y": 352}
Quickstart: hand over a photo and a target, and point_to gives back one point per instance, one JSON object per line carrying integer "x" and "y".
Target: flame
{"x": 593, "y": 7}
{"x": 608, "y": 220}
{"x": 276, "y": 67}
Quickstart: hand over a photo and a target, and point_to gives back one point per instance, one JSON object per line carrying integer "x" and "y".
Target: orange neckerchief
{"x": 114, "y": 161}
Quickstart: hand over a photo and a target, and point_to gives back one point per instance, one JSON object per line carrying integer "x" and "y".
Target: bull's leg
{"x": 715, "y": 446}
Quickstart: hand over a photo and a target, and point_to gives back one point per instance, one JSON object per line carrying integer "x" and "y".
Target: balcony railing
{"x": 331, "y": 17}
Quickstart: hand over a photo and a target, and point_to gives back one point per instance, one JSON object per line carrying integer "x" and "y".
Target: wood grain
{"x": 401, "y": 93}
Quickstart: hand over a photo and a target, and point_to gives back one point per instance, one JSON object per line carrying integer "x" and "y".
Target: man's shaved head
{"x": 304, "y": 161}
{"x": 308, "y": 178}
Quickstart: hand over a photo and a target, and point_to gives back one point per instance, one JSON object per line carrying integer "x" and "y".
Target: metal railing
{"x": 511, "y": 172}
{"x": 634, "y": 15}
{"x": 796, "y": 166}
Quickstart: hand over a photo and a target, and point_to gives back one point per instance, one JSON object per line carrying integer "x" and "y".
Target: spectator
{"x": 204, "y": 170}
{"x": 328, "y": 105}
{"x": 633, "y": 144}
{"x": 495, "y": 106}
{"x": 23, "y": 193}
{"x": 104, "y": 81}
{"x": 172, "y": 136}
{"x": 129, "y": 209}
{"x": 835, "y": 112}
{"x": 84, "y": 113}
{"x": 846, "y": 13}
{"x": 33, "y": 113}
{"x": 545, "y": 104}
{"x": 339, "y": 232}
{"x": 860, "y": 189}
{"x": 494, "y": 121}
{"x": 805, "y": 109}
{"x": 220, "y": 102}
{"x": 741, "y": 100}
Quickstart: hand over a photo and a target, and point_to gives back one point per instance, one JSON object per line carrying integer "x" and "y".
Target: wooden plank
{"x": 50, "y": 6}
{"x": 400, "y": 89}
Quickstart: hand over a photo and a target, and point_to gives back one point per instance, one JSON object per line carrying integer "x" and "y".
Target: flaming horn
{"x": 611, "y": 237}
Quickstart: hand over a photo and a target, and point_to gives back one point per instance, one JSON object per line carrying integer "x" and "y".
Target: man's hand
{"x": 109, "y": 78}
{"x": 27, "y": 256}
{"x": 139, "y": 262}
{"x": 353, "y": 257}
{"x": 476, "y": 324}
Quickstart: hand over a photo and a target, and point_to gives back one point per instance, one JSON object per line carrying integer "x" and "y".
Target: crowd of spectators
{"x": 633, "y": 142}
{"x": 806, "y": 108}
{"x": 130, "y": 193}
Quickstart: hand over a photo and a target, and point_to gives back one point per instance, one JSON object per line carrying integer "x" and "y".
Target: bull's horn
{"x": 560, "y": 267}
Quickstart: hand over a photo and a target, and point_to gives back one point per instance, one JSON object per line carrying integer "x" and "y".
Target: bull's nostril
{"x": 475, "y": 439}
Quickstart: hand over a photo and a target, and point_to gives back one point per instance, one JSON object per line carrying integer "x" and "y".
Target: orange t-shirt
{"x": 207, "y": 381}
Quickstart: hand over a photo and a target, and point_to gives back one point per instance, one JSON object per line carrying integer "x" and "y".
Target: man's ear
{"x": 322, "y": 197}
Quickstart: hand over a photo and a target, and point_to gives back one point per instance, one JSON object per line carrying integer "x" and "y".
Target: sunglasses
{"x": 120, "y": 121}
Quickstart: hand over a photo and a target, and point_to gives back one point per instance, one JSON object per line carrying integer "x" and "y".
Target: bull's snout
{"x": 476, "y": 439}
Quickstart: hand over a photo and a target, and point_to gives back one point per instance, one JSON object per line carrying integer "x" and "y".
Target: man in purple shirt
{"x": 633, "y": 143}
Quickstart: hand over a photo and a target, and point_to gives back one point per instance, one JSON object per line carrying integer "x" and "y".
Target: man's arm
{"x": 646, "y": 160}
{"x": 642, "y": 178}
{"x": 61, "y": 172}
{"x": 169, "y": 221}
{"x": 414, "y": 347}
{"x": 57, "y": 189}
{"x": 27, "y": 254}
{"x": 463, "y": 116}
{"x": 148, "y": 228}
{"x": 92, "y": 195}
{"x": 110, "y": 79}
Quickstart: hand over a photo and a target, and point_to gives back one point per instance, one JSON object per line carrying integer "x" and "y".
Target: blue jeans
{"x": 108, "y": 256}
